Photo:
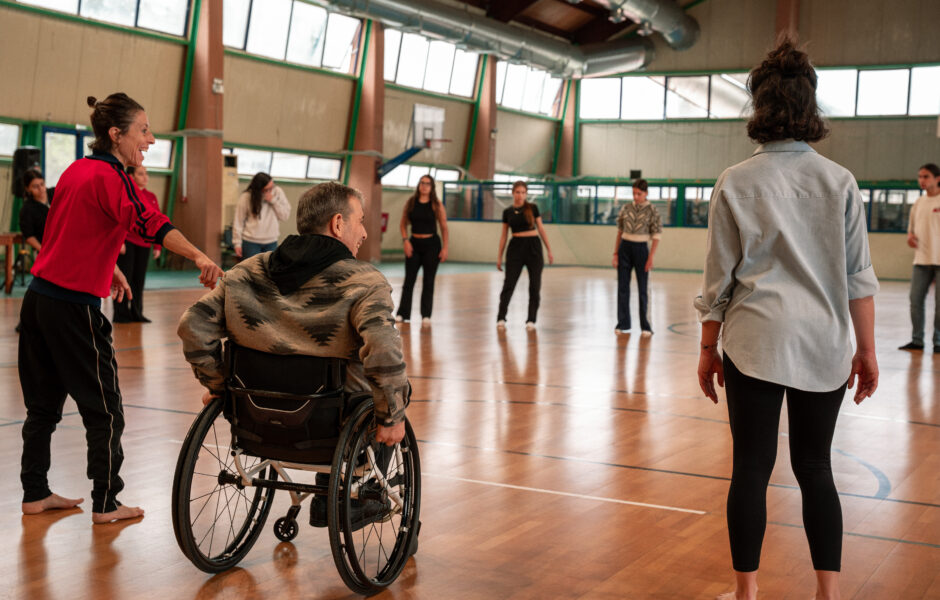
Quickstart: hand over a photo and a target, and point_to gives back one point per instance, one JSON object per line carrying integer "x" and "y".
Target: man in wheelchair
{"x": 309, "y": 297}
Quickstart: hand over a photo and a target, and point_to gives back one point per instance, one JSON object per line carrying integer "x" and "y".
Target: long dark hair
{"x": 256, "y": 189}
{"x": 117, "y": 110}
{"x": 933, "y": 168}
{"x": 783, "y": 89}
{"x": 526, "y": 206}
{"x": 435, "y": 201}
{"x": 28, "y": 176}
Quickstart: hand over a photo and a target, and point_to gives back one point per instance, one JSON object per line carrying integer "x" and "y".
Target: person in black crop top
{"x": 525, "y": 250}
{"x": 424, "y": 249}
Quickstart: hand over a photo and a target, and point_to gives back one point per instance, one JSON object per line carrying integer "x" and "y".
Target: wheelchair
{"x": 240, "y": 448}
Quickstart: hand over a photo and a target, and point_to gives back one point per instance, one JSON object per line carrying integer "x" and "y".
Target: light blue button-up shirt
{"x": 787, "y": 250}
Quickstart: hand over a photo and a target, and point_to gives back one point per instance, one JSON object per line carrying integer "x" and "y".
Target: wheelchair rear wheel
{"x": 216, "y": 520}
{"x": 373, "y": 504}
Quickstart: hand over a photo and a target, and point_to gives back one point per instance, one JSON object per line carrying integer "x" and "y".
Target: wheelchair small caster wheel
{"x": 285, "y": 529}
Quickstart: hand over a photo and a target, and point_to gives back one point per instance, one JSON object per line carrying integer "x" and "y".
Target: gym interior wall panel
{"x": 882, "y": 149}
{"x": 393, "y": 202}
{"x": 6, "y": 195}
{"x": 59, "y": 63}
{"x": 524, "y": 144}
{"x": 399, "y": 106}
{"x": 870, "y": 32}
{"x": 285, "y": 107}
{"x": 734, "y": 35}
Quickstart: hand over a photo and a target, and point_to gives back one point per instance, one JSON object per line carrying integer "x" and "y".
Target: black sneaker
{"x": 912, "y": 346}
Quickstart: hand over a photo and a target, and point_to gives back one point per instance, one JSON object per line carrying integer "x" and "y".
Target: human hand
{"x": 912, "y": 240}
{"x": 709, "y": 364}
{"x": 865, "y": 365}
{"x": 238, "y": 251}
{"x": 551, "y": 259}
{"x": 123, "y": 249}
{"x": 409, "y": 250}
{"x": 156, "y": 253}
{"x": 649, "y": 264}
{"x": 208, "y": 397}
{"x": 209, "y": 272}
{"x": 615, "y": 261}
{"x": 499, "y": 264}
{"x": 119, "y": 287}
{"x": 443, "y": 254}
{"x": 391, "y": 434}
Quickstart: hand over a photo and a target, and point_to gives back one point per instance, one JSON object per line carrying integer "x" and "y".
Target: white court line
{"x": 569, "y": 494}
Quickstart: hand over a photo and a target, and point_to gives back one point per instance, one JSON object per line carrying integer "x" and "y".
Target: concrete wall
{"x": 399, "y": 106}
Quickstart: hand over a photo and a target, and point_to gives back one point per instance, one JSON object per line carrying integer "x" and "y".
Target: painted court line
{"x": 569, "y": 494}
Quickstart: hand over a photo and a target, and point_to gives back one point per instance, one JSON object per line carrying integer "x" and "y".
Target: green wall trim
{"x": 163, "y": 37}
{"x": 188, "y": 72}
{"x": 419, "y": 92}
{"x": 360, "y": 82}
{"x": 527, "y": 114}
{"x": 471, "y": 136}
{"x": 576, "y": 149}
{"x": 694, "y": 72}
{"x": 13, "y": 120}
{"x": 283, "y": 63}
{"x": 315, "y": 153}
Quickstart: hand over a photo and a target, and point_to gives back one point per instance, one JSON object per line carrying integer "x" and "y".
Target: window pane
{"x": 69, "y": 6}
{"x": 925, "y": 91}
{"x": 835, "y": 92}
{"x": 112, "y": 11}
{"x": 686, "y": 97}
{"x": 9, "y": 138}
{"x": 696, "y": 206}
{"x": 267, "y": 28}
{"x": 342, "y": 35}
{"x": 729, "y": 95}
{"x": 293, "y": 166}
{"x": 234, "y": 21}
{"x": 323, "y": 168}
{"x": 883, "y": 92}
{"x": 252, "y": 161}
{"x": 307, "y": 29}
{"x": 87, "y": 140}
{"x": 465, "y": 73}
{"x": 439, "y": 66}
{"x": 500, "y": 80}
{"x": 59, "y": 153}
{"x": 643, "y": 98}
{"x": 550, "y": 96}
{"x": 515, "y": 86}
{"x": 891, "y": 209}
{"x": 392, "y": 43}
{"x": 534, "y": 86}
{"x": 447, "y": 175}
{"x": 158, "y": 155}
{"x": 414, "y": 55}
{"x": 600, "y": 98}
{"x": 415, "y": 175}
{"x": 168, "y": 16}
{"x": 397, "y": 177}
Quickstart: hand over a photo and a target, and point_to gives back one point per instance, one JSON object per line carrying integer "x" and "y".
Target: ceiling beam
{"x": 507, "y": 10}
{"x": 598, "y": 30}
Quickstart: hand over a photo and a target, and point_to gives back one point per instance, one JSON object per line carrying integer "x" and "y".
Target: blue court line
{"x": 863, "y": 535}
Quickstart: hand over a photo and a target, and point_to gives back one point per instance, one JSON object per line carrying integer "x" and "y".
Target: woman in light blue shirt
{"x": 787, "y": 268}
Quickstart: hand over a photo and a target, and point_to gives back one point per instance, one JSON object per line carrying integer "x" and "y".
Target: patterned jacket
{"x": 343, "y": 311}
{"x": 639, "y": 222}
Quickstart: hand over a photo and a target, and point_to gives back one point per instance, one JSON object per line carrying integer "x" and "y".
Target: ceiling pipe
{"x": 477, "y": 33}
{"x": 664, "y": 16}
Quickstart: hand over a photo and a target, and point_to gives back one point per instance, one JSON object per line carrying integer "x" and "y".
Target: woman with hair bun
{"x": 788, "y": 275}
{"x": 65, "y": 344}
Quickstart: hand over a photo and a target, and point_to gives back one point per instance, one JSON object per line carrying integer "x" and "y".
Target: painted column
{"x": 788, "y": 18}
{"x": 563, "y": 164}
{"x": 366, "y": 123}
{"x": 481, "y": 147}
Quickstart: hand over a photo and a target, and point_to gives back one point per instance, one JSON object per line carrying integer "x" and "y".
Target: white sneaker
{"x": 398, "y": 318}
{"x": 426, "y": 321}
{"x": 621, "y": 331}
{"x": 501, "y": 324}
{"x": 646, "y": 333}
{"x": 530, "y": 325}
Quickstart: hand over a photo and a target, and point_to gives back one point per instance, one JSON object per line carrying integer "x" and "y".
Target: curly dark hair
{"x": 783, "y": 90}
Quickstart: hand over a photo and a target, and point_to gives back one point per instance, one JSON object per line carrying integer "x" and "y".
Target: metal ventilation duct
{"x": 665, "y": 16}
{"x": 487, "y": 36}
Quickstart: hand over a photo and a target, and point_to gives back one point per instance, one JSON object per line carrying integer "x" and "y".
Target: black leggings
{"x": 754, "y": 411}
{"x": 133, "y": 263}
{"x": 523, "y": 252}
{"x": 426, "y": 254}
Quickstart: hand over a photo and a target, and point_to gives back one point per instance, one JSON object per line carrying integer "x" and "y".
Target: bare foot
{"x": 50, "y": 502}
{"x": 122, "y": 512}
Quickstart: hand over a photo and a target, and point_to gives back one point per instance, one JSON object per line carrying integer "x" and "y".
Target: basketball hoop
{"x": 436, "y": 143}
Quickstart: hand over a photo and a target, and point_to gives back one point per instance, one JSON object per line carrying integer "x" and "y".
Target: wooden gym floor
{"x": 561, "y": 463}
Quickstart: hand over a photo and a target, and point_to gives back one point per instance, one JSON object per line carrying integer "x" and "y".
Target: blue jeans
{"x": 921, "y": 279}
{"x": 249, "y": 249}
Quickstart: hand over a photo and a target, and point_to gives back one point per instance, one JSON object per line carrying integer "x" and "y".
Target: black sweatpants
{"x": 754, "y": 410}
{"x": 426, "y": 255}
{"x": 133, "y": 263}
{"x": 65, "y": 349}
{"x": 632, "y": 256}
{"x": 522, "y": 252}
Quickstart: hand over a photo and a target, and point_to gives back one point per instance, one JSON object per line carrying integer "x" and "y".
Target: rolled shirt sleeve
{"x": 722, "y": 255}
{"x": 862, "y": 282}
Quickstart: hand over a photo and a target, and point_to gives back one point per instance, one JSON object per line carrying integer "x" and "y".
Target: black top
{"x": 515, "y": 218}
{"x": 33, "y": 219}
{"x": 422, "y": 218}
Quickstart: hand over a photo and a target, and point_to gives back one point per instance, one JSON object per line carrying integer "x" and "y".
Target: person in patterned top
{"x": 310, "y": 296}
{"x": 638, "y": 224}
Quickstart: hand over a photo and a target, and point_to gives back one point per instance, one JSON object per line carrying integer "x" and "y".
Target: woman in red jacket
{"x": 65, "y": 344}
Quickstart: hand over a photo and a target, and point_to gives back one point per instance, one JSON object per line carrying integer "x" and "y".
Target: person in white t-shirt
{"x": 923, "y": 234}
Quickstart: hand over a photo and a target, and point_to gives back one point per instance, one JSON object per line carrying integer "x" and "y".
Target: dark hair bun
{"x": 91, "y": 101}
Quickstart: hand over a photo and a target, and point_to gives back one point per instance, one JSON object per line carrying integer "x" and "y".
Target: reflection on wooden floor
{"x": 561, "y": 463}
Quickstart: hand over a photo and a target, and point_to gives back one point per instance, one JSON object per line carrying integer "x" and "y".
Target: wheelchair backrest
{"x": 282, "y": 373}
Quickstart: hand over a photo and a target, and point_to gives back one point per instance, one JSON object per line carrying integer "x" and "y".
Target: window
{"x": 643, "y": 97}
{"x": 687, "y": 97}
{"x": 696, "y": 205}
{"x": 925, "y": 91}
{"x": 729, "y": 96}
{"x": 285, "y": 165}
{"x": 524, "y": 88}
{"x": 601, "y": 99}
{"x": 409, "y": 175}
{"x": 59, "y": 151}
{"x": 891, "y": 208}
{"x": 290, "y": 166}
{"x": 292, "y": 30}
{"x": 167, "y": 16}
{"x": 157, "y": 156}
{"x": 883, "y": 92}
{"x": 9, "y": 138}
{"x": 436, "y": 66}
{"x": 323, "y": 168}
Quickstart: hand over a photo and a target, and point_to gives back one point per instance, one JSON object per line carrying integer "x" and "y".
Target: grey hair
{"x": 320, "y": 203}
